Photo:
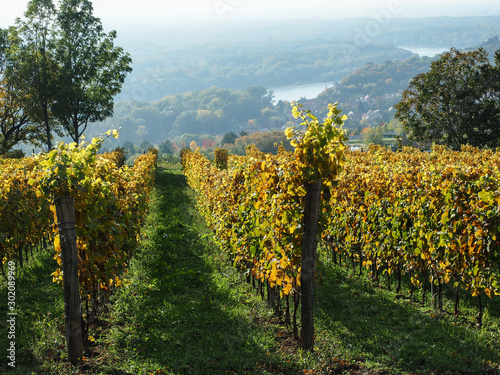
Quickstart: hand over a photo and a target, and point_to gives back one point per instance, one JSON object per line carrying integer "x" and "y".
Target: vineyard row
{"x": 433, "y": 216}
{"x": 111, "y": 203}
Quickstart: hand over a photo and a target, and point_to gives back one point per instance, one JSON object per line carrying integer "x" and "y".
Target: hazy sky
{"x": 115, "y": 12}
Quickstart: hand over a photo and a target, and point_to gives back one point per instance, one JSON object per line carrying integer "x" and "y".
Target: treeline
{"x": 459, "y": 32}
{"x": 216, "y": 111}
{"x": 367, "y": 95}
{"x": 240, "y": 64}
{"x": 213, "y": 111}
{"x": 236, "y": 144}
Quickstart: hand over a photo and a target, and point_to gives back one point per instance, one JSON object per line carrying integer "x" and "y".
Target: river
{"x": 295, "y": 92}
{"x": 426, "y": 51}
{"x": 312, "y": 90}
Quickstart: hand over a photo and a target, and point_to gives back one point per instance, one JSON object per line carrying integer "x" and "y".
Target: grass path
{"x": 185, "y": 310}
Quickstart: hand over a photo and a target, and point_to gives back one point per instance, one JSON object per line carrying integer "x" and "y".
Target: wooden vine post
{"x": 65, "y": 211}
{"x": 309, "y": 243}
{"x": 59, "y": 179}
{"x": 320, "y": 152}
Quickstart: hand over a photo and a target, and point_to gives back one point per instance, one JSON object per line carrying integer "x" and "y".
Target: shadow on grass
{"x": 375, "y": 328}
{"x": 185, "y": 311}
{"x": 39, "y": 320}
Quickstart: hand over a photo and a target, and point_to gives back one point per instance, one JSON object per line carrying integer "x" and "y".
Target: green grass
{"x": 373, "y": 327}
{"x": 185, "y": 310}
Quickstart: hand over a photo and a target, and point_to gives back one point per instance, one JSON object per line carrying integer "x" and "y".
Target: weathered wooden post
{"x": 309, "y": 243}
{"x": 320, "y": 152}
{"x": 65, "y": 211}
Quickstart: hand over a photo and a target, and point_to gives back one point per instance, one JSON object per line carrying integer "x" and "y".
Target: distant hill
{"x": 214, "y": 81}
{"x": 491, "y": 45}
{"x": 368, "y": 94}
{"x": 171, "y": 60}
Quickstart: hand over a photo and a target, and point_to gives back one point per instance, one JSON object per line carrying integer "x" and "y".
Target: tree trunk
{"x": 480, "y": 313}
{"x": 398, "y": 288}
{"x": 359, "y": 249}
{"x": 48, "y": 132}
{"x": 433, "y": 291}
{"x": 277, "y": 303}
{"x": 457, "y": 299}
{"x": 440, "y": 295}
{"x": 424, "y": 288}
{"x": 287, "y": 311}
{"x": 311, "y": 219}
{"x": 65, "y": 212}
{"x": 20, "y": 255}
{"x": 296, "y": 301}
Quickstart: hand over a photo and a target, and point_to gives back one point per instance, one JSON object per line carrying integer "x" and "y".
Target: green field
{"x": 185, "y": 310}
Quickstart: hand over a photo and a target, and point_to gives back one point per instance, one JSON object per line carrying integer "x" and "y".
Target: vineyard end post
{"x": 65, "y": 211}
{"x": 309, "y": 243}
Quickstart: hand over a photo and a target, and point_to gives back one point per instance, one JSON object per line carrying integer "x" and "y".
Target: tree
{"x": 166, "y": 147}
{"x": 129, "y": 148}
{"x": 207, "y": 143}
{"x": 92, "y": 69}
{"x": 145, "y": 146}
{"x": 34, "y": 68}
{"x": 12, "y": 117}
{"x": 456, "y": 102}
{"x": 15, "y": 126}
{"x": 229, "y": 138}
{"x": 374, "y": 135}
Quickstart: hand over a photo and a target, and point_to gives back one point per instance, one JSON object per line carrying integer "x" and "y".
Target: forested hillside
{"x": 236, "y": 65}
{"x": 211, "y": 111}
{"x": 278, "y": 53}
{"x": 369, "y": 93}
{"x": 171, "y": 93}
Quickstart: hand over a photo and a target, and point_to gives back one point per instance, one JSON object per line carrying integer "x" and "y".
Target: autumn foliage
{"x": 111, "y": 203}
{"x": 431, "y": 216}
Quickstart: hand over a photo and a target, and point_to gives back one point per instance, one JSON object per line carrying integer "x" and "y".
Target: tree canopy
{"x": 92, "y": 70}
{"x": 33, "y": 68}
{"x": 58, "y": 72}
{"x": 456, "y": 102}
{"x": 14, "y": 122}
